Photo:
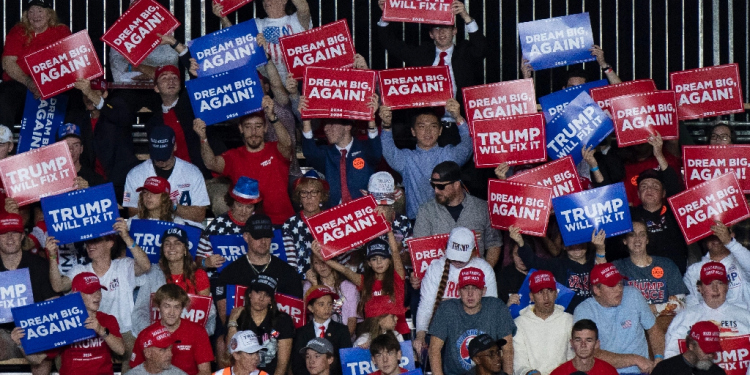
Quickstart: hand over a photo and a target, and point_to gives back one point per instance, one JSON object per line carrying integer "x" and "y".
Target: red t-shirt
{"x": 632, "y": 170}
{"x": 271, "y": 169}
{"x": 600, "y": 368}
{"x": 380, "y": 302}
{"x": 90, "y": 356}
{"x": 170, "y": 119}
{"x": 201, "y": 282}
{"x": 192, "y": 349}
{"x": 17, "y": 44}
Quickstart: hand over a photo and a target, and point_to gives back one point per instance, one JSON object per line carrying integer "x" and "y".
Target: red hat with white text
{"x": 540, "y": 280}
{"x": 471, "y": 276}
{"x": 706, "y": 334}
{"x": 11, "y": 223}
{"x": 713, "y": 271}
{"x": 607, "y": 274}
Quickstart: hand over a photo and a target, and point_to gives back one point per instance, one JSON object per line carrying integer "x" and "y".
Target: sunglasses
{"x": 440, "y": 187}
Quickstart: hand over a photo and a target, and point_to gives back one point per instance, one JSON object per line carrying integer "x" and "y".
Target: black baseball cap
{"x": 161, "y": 143}
{"x": 649, "y": 173}
{"x": 378, "y": 247}
{"x": 264, "y": 283}
{"x": 177, "y": 232}
{"x": 482, "y": 343}
{"x": 40, "y": 3}
{"x": 449, "y": 171}
{"x": 259, "y": 226}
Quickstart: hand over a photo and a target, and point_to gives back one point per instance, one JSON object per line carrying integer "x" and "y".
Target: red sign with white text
{"x": 339, "y": 93}
{"x": 133, "y": 35}
{"x": 197, "y": 313}
{"x": 707, "y": 92}
{"x": 56, "y": 68}
{"x": 639, "y": 116}
{"x": 602, "y": 95}
{"x": 733, "y": 357}
{"x": 229, "y": 6}
{"x": 425, "y": 86}
{"x": 295, "y": 307}
{"x": 560, "y": 175}
{"x": 347, "y": 226}
{"x": 513, "y": 140}
{"x": 501, "y": 99}
{"x": 424, "y": 250}
{"x": 703, "y": 163}
{"x": 437, "y": 12}
{"x": 697, "y": 208}
{"x": 38, "y": 173}
{"x": 522, "y": 205}
{"x": 328, "y": 46}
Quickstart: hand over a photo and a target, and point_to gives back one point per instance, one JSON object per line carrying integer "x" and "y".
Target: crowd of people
{"x": 643, "y": 302}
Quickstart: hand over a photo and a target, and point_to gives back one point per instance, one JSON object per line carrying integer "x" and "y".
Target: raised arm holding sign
{"x": 558, "y": 41}
{"x": 227, "y": 49}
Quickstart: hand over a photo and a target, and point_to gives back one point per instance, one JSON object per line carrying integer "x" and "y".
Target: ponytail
{"x": 441, "y": 287}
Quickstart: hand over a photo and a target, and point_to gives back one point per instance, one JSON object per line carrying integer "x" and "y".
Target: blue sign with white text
{"x": 231, "y": 247}
{"x": 581, "y": 123}
{"x": 229, "y": 48}
{"x": 41, "y": 118}
{"x": 564, "y": 296}
{"x": 358, "y": 361}
{"x": 580, "y": 214}
{"x": 147, "y": 234}
{"x": 225, "y": 96}
{"x": 553, "y": 104}
{"x": 81, "y": 215}
{"x": 558, "y": 41}
{"x": 15, "y": 291}
{"x": 277, "y": 245}
{"x": 52, "y": 324}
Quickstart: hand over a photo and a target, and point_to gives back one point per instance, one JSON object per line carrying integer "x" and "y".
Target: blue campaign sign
{"x": 41, "y": 118}
{"x": 564, "y": 296}
{"x": 581, "y": 123}
{"x": 553, "y": 104}
{"x": 579, "y": 214}
{"x": 231, "y": 247}
{"x": 558, "y": 41}
{"x": 277, "y": 245}
{"x": 81, "y": 215}
{"x": 225, "y": 96}
{"x": 15, "y": 291}
{"x": 358, "y": 361}
{"x": 52, "y": 324}
{"x": 228, "y": 49}
{"x": 147, "y": 234}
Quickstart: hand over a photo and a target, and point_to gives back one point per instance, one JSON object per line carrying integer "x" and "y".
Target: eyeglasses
{"x": 309, "y": 193}
{"x": 440, "y": 187}
{"x": 721, "y": 137}
{"x": 491, "y": 354}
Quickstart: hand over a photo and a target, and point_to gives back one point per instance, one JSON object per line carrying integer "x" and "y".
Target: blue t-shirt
{"x": 620, "y": 328}
{"x": 657, "y": 281}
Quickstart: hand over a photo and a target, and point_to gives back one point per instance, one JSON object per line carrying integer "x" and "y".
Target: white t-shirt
{"x": 275, "y": 28}
{"x": 119, "y": 280}
{"x": 733, "y": 320}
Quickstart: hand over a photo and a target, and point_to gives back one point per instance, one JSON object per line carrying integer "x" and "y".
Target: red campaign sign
{"x": 196, "y": 312}
{"x": 56, "y": 68}
{"x": 707, "y": 92}
{"x": 513, "y": 140}
{"x": 437, "y": 12}
{"x": 347, "y": 226}
{"x": 733, "y": 357}
{"x": 639, "y": 116}
{"x": 425, "y": 86}
{"x": 328, "y": 46}
{"x": 339, "y": 93}
{"x": 522, "y": 205}
{"x": 424, "y": 250}
{"x": 501, "y": 99}
{"x": 230, "y": 6}
{"x": 703, "y": 163}
{"x": 603, "y": 95}
{"x": 239, "y": 297}
{"x": 133, "y": 35}
{"x": 295, "y": 307}
{"x": 561, "y": 175}
{"x": 38, "y": 173}
{"x": 697, "y": 208}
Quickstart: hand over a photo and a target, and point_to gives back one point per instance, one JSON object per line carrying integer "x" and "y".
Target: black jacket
{"x": 337, "y": 334}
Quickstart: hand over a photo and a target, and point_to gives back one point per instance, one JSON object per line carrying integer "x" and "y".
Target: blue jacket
{"x": 327, "y": 158}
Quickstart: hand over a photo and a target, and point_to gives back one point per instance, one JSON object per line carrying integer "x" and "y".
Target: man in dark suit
{"x": 319, "y": 300}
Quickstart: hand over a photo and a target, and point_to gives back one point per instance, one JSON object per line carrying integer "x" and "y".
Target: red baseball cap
{"x": 707, "y": 336}
{"x": 86, "y": 282}
{"x": 156, "y": 185}
{"x": 471, "y": 276}
{"x": 319, "y": 291}
{"x": 713, "y": 271}
{"x": 158, "y": 336}
{"x": 11, "y": 223}
{"x": 542, "y": 280}
{"x": 607, "y": 274}
{"x": 166, "y": 69}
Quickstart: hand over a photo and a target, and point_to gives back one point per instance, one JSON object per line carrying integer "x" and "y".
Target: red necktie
{"x": 442, "y": 58}
{"x": 323, "y": 331}
{"x": 345, "y": 196}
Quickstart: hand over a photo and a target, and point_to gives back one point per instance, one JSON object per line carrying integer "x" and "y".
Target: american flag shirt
{"x": 275, "y": 28}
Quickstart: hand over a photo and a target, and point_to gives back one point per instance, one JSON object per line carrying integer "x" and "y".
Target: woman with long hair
{"x": 311, "y": 193}
{"x": 344, "y": 308}
{"x": 178, "y": 266}
{"x": 384, "y": 324}
{"x": 154, "y": 202}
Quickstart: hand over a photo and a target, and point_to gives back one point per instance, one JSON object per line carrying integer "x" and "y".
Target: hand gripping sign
{"x": 704, "y": 163}
{"x": 134, "y": 34}
{"x": 295, "y": 307}
{"x": 501, "y": 99}
{"x": 228, "y": 49}
{"x": 328, "y": 46}
{"x": 147, "y": 234}
{"x": 56, "y": 68}
{"x": 38, "y": 173}
{"x": 579, "y": 214}
{"x": 225, "y": 96}
{"x": 558, "y": 41}
{"x": 230, "y": 6}
{"x": 707, "y": 92}
{"x": 733, "y": 357}
{"x": 435, "y": 12}
{"x": 697, "y": 208}
{"x": 513, "y": 140}
{"x": 415, "y": 87}
{"x": 522, "y": 205}
{"x": 581, "y": 124}
{"x": 602, "y": 95}
{"x": 347, "y": 226}
{"x": 15, "y": 291}
{"x": 553, "y": 104}
{"x": 231, "y": 247}
{"x": 197, "y": 310}
{"x": 41, "y": 118}
{"x": 358, "y": 361}
{"x": 338, "y": 93}
{"x": 639, "y": 116}
{"x": 561, "y": 175}
{"x": 81, "y": 215}
{"x": 52, "y": 324}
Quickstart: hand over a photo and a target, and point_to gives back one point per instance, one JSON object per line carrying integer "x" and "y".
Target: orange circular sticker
{"x": 634, "y": 180}
{"x": 358, "y": 163}
{"x": 657, "y": 272}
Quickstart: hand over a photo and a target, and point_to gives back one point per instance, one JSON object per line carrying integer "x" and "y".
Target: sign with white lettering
{"x": 81, "y": 215}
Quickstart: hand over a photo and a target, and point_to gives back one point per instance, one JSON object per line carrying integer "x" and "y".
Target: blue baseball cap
{"x": 68, "y": 130}
{"x": 246, "y": 191}
{"x": 161, "y": 143}
{"x": 176, "y": 232}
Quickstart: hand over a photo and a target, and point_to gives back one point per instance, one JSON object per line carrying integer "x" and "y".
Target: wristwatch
{"x": 106, "y": 333}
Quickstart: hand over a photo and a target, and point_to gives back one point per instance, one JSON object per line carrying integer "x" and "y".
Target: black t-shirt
{"x": 269, "y": 336}
{"x": 93, "y": 178}
{"x": 678, "y": 366}
{"x": 240, "y": 272}
{"x": 39, "y": 275}
{"x": 509, "y": 282}
{"x": 455, "y": 211}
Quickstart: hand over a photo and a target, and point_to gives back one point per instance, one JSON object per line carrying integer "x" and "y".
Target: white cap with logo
{"x": 460, "y": 244}
{"x": 5, "y": 134}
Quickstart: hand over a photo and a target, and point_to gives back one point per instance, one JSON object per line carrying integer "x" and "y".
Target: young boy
{"x": 319, "y": 300}
{"x": 386, "y": 355}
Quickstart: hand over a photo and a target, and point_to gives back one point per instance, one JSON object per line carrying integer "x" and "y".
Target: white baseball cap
{"x": 460, "y": 244}
{"x": 245, "y": 341}
{"x": 382, "y": 187}
{"x": 5, "y": 134}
